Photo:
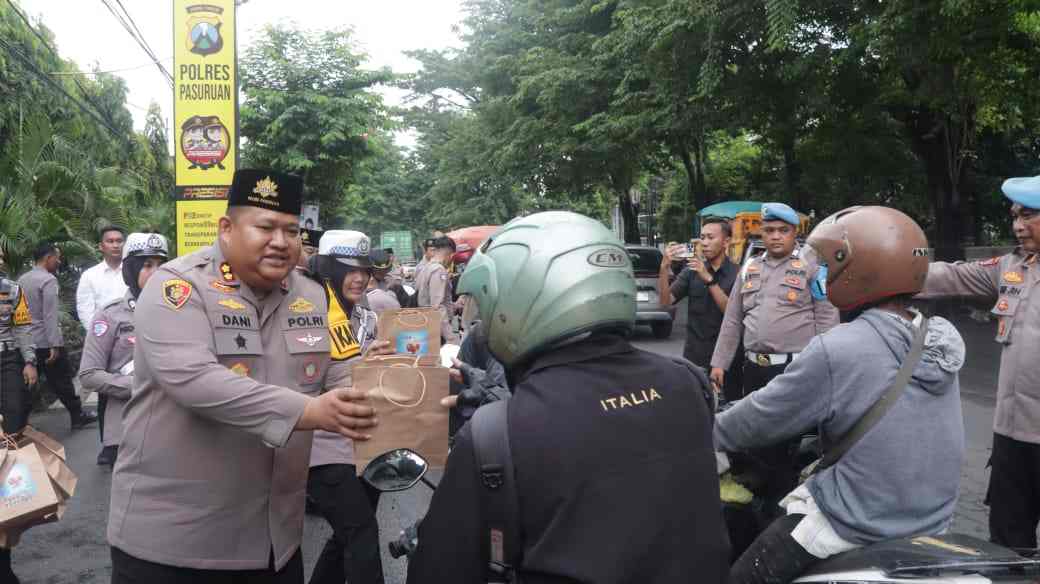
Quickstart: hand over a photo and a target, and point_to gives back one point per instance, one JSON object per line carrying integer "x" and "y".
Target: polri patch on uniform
{"x": 793, "y": 281}
{"x": 301, "y": 306}
{"x": 990, "y": 262}
{"x": 797, "y": 264}
{"x": 310, "y": 340}
{"x": 240, "y": 369}
{"x": 232, "y": 304}
{"x": 792, "y": 296}
{"x": 1013, "y": 277}
{"x": 222, "y": 287}
{"x": 311, "y": 368}
{"x": 176, "y": 292}
{"x": 100, "y": 328}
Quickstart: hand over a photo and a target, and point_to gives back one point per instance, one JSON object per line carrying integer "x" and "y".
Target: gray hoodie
{"x": 900, "y": 479}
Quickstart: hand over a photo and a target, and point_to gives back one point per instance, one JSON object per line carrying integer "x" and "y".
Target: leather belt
{"x": 770, "y": 359}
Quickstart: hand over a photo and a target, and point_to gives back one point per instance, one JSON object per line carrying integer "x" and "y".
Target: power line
{"x": 130, "y": 26}
{"x": 134, "y": 68}
{"x": 109, "y": 123}
{"x": 31, "y": 67}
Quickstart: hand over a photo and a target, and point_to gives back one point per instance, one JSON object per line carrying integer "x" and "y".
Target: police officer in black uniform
{"x": 611, "y": 447}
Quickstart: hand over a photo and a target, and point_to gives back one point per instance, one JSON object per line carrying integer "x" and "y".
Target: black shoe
{"x": 83, "y": 420}
{"x": 107, "y": 456}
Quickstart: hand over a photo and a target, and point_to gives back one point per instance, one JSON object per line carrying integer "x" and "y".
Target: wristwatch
{"x": 713, "y": 282}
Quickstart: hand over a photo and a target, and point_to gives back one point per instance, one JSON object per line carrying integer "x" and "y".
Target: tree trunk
{"x": 696, "y": 183}
{"x": 629, "y": 217}
{"x": 793, "y": 176}
{"x": 940, "y": 142}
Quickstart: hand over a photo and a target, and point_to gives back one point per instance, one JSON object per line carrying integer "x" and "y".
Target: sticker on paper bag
{"x": 413, "y": 343}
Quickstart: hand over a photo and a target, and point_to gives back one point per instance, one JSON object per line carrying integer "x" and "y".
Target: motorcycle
{"x": 945, "y": 559}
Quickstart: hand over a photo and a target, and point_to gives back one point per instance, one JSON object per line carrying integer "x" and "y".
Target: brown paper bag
{"x": 53, "y": 455}
{"x": 26, "y": 492}
{"x": 411, "y": 331}
{"x": 407, "y": 402}
{"x": 41, "y": 439}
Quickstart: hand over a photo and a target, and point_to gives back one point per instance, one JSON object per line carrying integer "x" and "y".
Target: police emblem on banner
{"x": 203, "y": 26}
{"x": 205, "y": 142}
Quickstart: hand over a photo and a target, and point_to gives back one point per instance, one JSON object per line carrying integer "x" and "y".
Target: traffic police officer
{"x": 107, "y": 365}
{"x": 611, "y": 449}
{"x": 772, "y": 306}
{"x": 434, "y": 286}
{"x": 1011, "y": 282}
{"x": 232, "y": 352}
{"x": 343, "y": 268}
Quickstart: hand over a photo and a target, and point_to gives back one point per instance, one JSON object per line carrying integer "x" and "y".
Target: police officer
{"x": 382, "y": 288}
{"x": 434, "y": 286}
{"x": 396, "y": 274}
{"x": 424, "y": 261}
{"x": 18, "y": 364}
{"x": 1011, "y": 283}
{"x": 611, "y": 449}
{"x": 343, "y": 268}
{"x": 107, "y": 365}
{"x": 771, "y": 305}
{"x": 707, "y": 281}
{"x": 41, "y": 287}
{"x": 309, "y": 239}
{"x": 232, "y": 353}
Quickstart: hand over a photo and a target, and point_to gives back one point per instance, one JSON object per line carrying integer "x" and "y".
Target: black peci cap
{"x": 266, "y": 189}
{"x": 311, "y": 237}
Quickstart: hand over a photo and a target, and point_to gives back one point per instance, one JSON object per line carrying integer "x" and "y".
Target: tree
{"x": 308, "y": 108}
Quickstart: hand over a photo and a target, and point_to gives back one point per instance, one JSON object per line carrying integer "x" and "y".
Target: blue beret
{"x": 779, "y": 212}
{"x": 1024, "y": 191}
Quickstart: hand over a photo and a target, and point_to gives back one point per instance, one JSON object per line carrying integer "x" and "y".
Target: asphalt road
{"x": 74, "y": 550}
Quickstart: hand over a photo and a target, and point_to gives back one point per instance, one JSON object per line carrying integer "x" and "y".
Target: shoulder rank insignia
{"x": 226, "y": 273}
{"x": 301, "y": 305}
{"x": 232, "y": 304}
{"x": 176, "y": 292}
{"x": 990, "y": 262}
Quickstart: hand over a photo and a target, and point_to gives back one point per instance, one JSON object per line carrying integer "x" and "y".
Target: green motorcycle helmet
{"x": 547, "y": 278}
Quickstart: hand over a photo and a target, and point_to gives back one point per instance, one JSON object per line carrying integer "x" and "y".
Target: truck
{"x": 746, "y": 219}
{"x": 401, "y": 242}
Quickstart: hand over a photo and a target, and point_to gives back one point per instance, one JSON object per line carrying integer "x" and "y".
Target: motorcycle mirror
{"x": 448, "y": 353}
{"x": 396, "y": 470}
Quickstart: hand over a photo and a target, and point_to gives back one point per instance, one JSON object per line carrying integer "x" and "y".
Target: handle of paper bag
{"x": 400, "y": 318}
{"x": 422, "y": 394}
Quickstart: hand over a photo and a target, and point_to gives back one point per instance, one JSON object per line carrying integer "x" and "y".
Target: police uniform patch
{"x": 22, "y": 316}
{"x": 100, "y": 328}
{"x": 176, "y": 292}
{"x": 990, "y": 262}
{"x": 444, "y": 277}
{"x": 793, "y": 281}
{"x": 301, "y": 305}
{"x": 310, "y": 340}
{"x": 240, "y": 369}
{"x": 1002, "y": 305}
{"x": 222, "y": 287}
{"x": 749, "y": 285}
{"x": 132, "y": 340}
{"x": 792, "y": 296}
{"x": 226, "y": 273}
{"x": 797, "y": 264}
{"x": 232, "y": 304}
{"x": 310, "y": 370}
{"x": 1013, "y": 277}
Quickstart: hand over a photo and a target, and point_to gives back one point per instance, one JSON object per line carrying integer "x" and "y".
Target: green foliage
{"x": 307, "y": 108}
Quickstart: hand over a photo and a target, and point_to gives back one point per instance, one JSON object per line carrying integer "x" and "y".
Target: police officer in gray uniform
{"x": 1011, "y": 282}
{"x": 40, "y": 287}
{"x": 107, "y": 365}
{"x": 772, "y": 306}
{"x": 434, "y": 286}
{"x": 230, "y": 367}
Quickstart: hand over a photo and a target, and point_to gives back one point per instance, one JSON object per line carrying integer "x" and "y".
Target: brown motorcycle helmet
{"x": 869, "y": 254}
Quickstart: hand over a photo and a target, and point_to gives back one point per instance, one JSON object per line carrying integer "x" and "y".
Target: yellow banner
{"x": 205, "y": 97}
{"x": 197, "y": 223}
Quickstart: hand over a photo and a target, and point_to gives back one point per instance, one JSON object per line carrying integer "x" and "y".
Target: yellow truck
{"x": 746, "y": 219}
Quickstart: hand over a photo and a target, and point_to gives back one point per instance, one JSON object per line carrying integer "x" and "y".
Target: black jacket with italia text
{"x": 615, "y": 474}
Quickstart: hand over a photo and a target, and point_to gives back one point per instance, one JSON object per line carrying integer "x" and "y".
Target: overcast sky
{"x": 88, "y": 34}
